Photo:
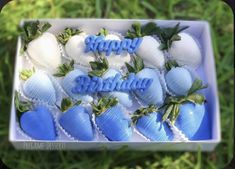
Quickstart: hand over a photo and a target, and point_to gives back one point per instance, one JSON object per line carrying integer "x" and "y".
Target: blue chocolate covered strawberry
{"x": 38, "y": 86}
{"x": 178, "y": 79}
{"x": 110, "y": 119}
{"x": 148, "y": 122}
{"x": 154, "y": 94}
{"x": 76, "y": 120}
{"x": 69, "y": 75}
{"x": 38, "y": 122}
{"x": 187, "y": 112}
{"x": 101, "y": 69}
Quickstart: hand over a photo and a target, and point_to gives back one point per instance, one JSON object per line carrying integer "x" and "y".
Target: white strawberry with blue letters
{"x": 101, "y": 69}
{"x": 74, "y": 43}
{"x": 187, "y": 112}
{"x": 68, "y": 82}
{"x": 154, "y": 94}
{"x": 41, "y": 46}
{"x": 38, "y": 86}
{"x": 149, "y": 48}
{"x": 115, "y": 60}
{"x": 110, "y": 119}
{"x": 148, "y": 121}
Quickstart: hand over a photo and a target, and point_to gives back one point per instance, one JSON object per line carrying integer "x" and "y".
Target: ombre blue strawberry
{"x": 148, "y": 121}
{"x": 188, "y": 112}
{"x": 154, "y": 94}
{"x": 101, "y": 68}
{"x": 111, "y": 120}
{"x": 76, "y": 120}
{"x": 38, "y": 86}
{"x": 37, "y": 122}
{"x": 178, "y": 79}
{"x": 69, "y": 75}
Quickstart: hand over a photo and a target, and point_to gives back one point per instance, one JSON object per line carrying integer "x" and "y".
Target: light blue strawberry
{"x": 68, "y": 83}
{"x": 154, "y": 94}
{"x": 179, "y": 80}
{"x": 101, "y": 69}
{"x": 190, "y": 119}
{"x": 111, "y": 121}
{"x": 77, "y": 122}
{"x": 38, "y": 124}
{"x": 38, "y": 86}
{"x": 148, "y": 121}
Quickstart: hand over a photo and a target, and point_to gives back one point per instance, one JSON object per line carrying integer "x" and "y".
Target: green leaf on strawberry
{"x": 142, "y": 112}
{"x": 67, "y": 34}
{"x": 103, "y": 104}
{"x": 197, "y": 85}
{"x": 65, "y": 68}
{"x": 26, "y": 73}
{"x": 21, "y": 106}
{"x": 32, "y": 30}
{"x": 67, "y": 103}
{"x": 99, "y": 67}
{"x": 138, "y": 65}
{"x": 103, "y": 32}
{"x": 170, "y": 64}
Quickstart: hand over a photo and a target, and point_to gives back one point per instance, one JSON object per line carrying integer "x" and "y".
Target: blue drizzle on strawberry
{"x": 111, "y": 121}
{"x": 38, "y": 123}
{"x": 38, "y": 86}
{"x": 148, "y": 122}
{"x": 77, "y": 122}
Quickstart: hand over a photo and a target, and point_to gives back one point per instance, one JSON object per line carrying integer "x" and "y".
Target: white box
{"x": 199, "y": 29}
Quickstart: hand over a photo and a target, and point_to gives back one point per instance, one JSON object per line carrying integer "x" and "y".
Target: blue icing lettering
{"x": 87, "y": 84}
{"x": 98, "y": 43}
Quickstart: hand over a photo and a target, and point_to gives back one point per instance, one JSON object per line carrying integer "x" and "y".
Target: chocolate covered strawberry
{"x": 69, "y": 75}
{"x": 178, "y": 79}
{"x": 187, "y": 112}
{"x": 36, "y": 122}
{"x": 38, "y": 86}
{"x": 41, "y": 46}
{"x": 74, "y": 45}
{"x": 149, "y": 48}
{"x": 76, "y": 120}
{"x": 148, "y": 121}
{"x": 101, "y": 69}
{"x": 111, "y": 120}
{"x": 154, "y": 94}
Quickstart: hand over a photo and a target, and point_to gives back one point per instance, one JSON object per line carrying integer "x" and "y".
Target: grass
{"x": 216, "y": 12}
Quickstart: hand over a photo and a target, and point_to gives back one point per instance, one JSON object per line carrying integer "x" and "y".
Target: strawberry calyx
{"x": 137, "y": 30}
{"x": 172, "y": 103}
{"x": 143, "y": 111}
{"x": 32, "y": 30}
{"x": 138, "y": 65}
{"x": 99, "y": 67}
{"x": 103, "y": 104}
{"x": 67, "y": 34}
{"x": 26, "y": 73}
{"x": 67, "y": 103}
{"x": 171, "y": 64}
{"x": 64, "y": 69}
{"x": 103, "y": 32}
{"x": 21, "y": 106}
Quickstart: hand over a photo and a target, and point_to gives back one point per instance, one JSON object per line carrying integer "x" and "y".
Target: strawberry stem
{"x": 64, "y": 69}
{"x": 138, "y": 65}
{"x": 21, "y": 106}
{"x": 170, "y": 64}
{"x": 99, "y": 67}
{"x": 143, "y": 112}
{"x": 26, "y": 73}
{"x": 103, "y": 104}
{"x": 67, "y": 34}
{"x": 103, "y": 32}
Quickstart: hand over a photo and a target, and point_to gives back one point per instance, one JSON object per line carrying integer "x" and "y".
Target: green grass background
{"x": 216, "y": 12}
